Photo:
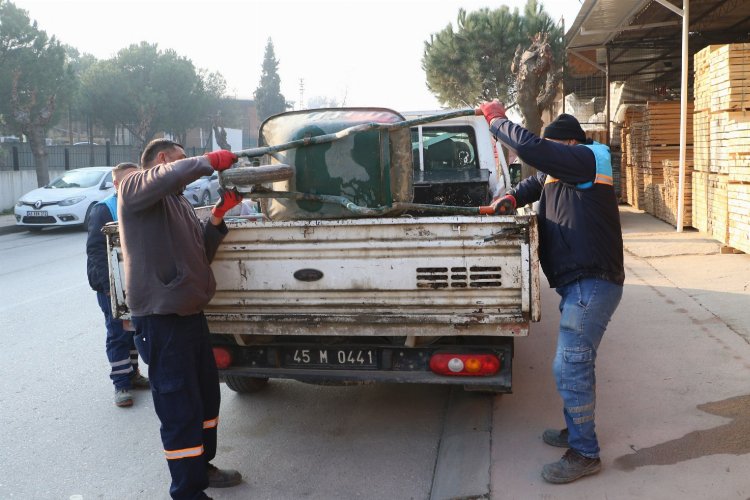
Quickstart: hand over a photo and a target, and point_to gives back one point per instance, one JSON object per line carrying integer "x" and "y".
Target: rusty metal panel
{"x": 435, "y": 276}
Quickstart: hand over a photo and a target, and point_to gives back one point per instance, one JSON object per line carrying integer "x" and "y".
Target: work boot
{"x": 570, "y": 467}
{"x": 123, "y": 398}
{"x": 553, "y": 437}
{"x": 138, "y": 381}
{"x": 222, "y": 478}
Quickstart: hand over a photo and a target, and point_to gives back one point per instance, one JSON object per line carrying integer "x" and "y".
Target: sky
{"x": 356, "y": 52}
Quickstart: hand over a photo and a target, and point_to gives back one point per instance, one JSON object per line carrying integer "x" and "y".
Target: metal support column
{"x": 683, "y": 113}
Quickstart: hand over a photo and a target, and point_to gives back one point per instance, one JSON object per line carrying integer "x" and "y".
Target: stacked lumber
{"x": 632, "y": 157}
{"x": 721, "y": 126}
{"x": 666, "y": 208}
{"x": 662, "y": 144}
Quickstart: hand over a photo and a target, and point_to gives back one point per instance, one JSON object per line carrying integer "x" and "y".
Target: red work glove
{"x": 492, "y": 110}
{"x": 227, "y": 201}
{"x": 505, "y": 205}
{"x": 221, "y": 159}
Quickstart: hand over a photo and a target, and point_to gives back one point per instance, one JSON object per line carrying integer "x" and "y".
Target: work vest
{"x": 111, "y": 203}
{"x": 603, "y": 167}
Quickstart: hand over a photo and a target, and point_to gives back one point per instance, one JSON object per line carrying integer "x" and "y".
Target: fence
{"x": 18, "y": 170}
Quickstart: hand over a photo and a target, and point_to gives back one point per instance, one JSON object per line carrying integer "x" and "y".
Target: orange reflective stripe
{"x": 604, "y": 179}
{"x": 184, "y": 453}
{"x": 550, "y": 180}
{"x": 210, "y": 424}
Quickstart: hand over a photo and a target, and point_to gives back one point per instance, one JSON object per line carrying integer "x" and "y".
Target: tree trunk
{"x": 536, "y": 85}
{"x": 39, "y": 151}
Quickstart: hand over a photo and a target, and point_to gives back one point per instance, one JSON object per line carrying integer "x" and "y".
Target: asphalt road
{"x": 673, "y": 399}
{"x": 62, "y": 436}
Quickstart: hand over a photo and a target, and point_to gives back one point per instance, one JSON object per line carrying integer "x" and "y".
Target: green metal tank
{"x": 371, "y": 168}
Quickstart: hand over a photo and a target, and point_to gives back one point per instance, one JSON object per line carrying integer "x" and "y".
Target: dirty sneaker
{"x": 123, "y": 398}
{"x": 222, "y": 478}
{"x": 570, "y": 467}
{"x": 553, "y": 437}
{"x": 138, "y": 381}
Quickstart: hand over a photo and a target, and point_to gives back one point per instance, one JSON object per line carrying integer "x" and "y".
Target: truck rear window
{"x": 444, "y": 148}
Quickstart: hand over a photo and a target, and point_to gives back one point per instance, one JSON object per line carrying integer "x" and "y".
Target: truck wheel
{"x": 245, "y": 385}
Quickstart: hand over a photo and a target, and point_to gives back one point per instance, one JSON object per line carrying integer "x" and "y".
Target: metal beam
{"x": 630, "y": 28}
{"x": 669, "y": 6}
{"x": 589, "y": 61}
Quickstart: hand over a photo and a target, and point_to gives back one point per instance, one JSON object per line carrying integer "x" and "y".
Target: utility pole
{"x": 301, "y": 93}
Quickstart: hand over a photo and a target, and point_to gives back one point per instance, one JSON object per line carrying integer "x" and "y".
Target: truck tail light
{"x": 464, "y": 365}
{"x": 223, "y": 357}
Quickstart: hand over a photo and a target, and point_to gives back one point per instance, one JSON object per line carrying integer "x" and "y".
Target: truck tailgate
{"x": 433, "y": 276}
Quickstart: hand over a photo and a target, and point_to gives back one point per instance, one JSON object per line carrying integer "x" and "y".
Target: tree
{"x": 147, "y": 91}
{"x": 268, "y": 98}
{"x": 536, "y": 80}
{"x": 35, "y": 82}
{"x": 473, "y": 63}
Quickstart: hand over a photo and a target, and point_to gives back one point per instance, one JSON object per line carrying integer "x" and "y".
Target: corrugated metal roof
{"x": 644, "y": 36}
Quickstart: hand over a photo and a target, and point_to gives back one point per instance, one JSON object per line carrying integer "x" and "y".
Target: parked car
{"x": 203, "y": 191}
{"x": 66, "y": 201}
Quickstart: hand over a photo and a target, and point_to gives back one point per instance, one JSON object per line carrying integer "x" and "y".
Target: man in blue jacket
{"x": 580, "y": 245}
{"x": 121, "y": 351}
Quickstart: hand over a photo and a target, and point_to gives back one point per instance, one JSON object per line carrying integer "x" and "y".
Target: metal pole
{"x": 607, "y": 112}
{"x": 683, "y": 113}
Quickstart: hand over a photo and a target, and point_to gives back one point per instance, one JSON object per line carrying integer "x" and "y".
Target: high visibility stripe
{"x": 120, "y": 363}
{"x": 184, "y": 453}
{"x": 129, "y": 369}
{"x": 210, "y": 424}
{"x": 604, "y": 179}
{"x": 600, "y": 179}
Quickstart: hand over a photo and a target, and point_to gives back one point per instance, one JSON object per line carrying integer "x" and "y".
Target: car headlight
{"x": 19, "y": 203}
{"x": 71, "y": 201}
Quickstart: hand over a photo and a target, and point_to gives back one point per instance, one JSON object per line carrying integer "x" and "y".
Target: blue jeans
{"x": 120, "y": 346}
{"x": 586, "y": 306}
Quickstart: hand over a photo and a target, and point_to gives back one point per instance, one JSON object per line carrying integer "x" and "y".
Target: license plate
{"x": 36, "y": 213}
{"x": 331, "y": 358}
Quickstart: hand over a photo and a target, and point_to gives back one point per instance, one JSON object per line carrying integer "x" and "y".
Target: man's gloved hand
{"x": 227, "y": 201}
{"x": 492, "y": 110}
{"x": 221, "y": 159}
{"x": 504, "y": 205}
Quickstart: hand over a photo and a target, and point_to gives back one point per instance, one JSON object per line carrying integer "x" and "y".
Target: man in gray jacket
{"x": 167, "y": 253}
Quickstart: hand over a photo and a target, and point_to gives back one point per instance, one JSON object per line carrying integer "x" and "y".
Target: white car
{"x": 66, "y": 201}
{"x": 203, "y": 191}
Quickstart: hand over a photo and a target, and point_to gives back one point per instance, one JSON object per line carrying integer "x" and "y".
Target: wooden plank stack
{"x": 631, "y": 136}
{"x": 662, "y": 144}
{"x": 666, "y": 209}
{"x": 721, "y": 181}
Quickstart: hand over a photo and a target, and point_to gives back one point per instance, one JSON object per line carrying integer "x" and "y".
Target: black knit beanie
{"x": 565, "y": 127}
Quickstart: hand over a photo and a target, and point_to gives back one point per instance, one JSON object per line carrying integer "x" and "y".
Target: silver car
{"x": 203, "y": 191}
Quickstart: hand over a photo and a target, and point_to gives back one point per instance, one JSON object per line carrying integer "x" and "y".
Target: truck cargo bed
{"x": 377, "y": 277}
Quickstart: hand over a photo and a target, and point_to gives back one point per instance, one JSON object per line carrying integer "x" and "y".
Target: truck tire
{"x": 245, "y": 385}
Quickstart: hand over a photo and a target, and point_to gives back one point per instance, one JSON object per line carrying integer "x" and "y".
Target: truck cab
{"x": 455, "y": 162}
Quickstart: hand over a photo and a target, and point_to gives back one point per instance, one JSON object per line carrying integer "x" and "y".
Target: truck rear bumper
{"x": 359, "y": 362}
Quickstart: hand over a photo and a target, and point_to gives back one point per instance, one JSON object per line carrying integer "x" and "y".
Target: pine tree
{"x": 268, "y": 98}
{"x": 472, "y": 63}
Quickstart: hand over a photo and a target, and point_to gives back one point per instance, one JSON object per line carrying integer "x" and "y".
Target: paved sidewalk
{"x": 8, "y": 224}
{"x": 673, "y": 399}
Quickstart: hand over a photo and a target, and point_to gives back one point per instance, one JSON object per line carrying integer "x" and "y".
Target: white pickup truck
{"x": 416, "y": 297}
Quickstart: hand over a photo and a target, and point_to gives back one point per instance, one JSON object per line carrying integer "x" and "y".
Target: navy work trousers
{"x": 185, "y": 388}
{"x": 123, "y": 358}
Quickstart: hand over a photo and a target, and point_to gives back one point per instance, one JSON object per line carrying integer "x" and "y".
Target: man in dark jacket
{"x": 121, "y": 352}
{"x": 580, "y": 244}
{"x": 167, "y": 252}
